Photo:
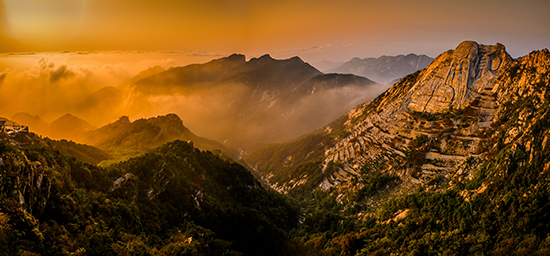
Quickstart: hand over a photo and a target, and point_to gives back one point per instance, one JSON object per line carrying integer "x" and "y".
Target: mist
{"x": 242, "y": 110}
{"x": 227, "y": 114}
{"x": 53, "y": 84}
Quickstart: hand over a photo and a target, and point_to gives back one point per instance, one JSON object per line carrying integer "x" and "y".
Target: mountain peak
{"x": 456, "y": 76}
{"x": 471, "y": 49}
{"x": 296, "y": 58}
{"x": 236, "y": 57}
{"x": 123, "y": 119}
{"x": 68, "y": 126}
{"x": 266, "y": 56}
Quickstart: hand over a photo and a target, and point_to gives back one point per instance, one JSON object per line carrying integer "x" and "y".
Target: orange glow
{"x": 56, "y": 56}
{"x": 258, "y": 27}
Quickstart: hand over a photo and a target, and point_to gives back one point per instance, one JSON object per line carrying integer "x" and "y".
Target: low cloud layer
{"x": 97, "y": 87}
{"x": 52, "y": 84}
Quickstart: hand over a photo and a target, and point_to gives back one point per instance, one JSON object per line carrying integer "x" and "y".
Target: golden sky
{"x": 314, "y": 30}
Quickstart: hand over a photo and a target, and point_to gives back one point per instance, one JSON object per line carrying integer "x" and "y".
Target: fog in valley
{"x": 233, "y": 102}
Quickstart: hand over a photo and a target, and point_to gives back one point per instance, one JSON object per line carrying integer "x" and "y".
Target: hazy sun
{"x": 45, "y": 21}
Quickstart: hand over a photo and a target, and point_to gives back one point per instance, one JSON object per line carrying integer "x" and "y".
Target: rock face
{"x": 431, "y": 128}
{"x": 23, "y": 181}
{"x": 454, "y": 102}
{"x": 457, "y": 76}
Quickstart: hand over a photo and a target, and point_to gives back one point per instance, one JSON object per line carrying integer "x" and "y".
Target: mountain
{"x": 68, "y": 126}
{"x": 457, "y": 150}
{"x": 174, "y": 200}
{"x": 38, "y": 125}
{"x": 263, "y": 71}
{"x": 327, "y": 66}
{"x": 385, "y": 68}
{"x": 249, "y": 103}
{"x": 106, "y": 101}
{"x": 143, "y": 74}
{"x": 81, "y": 152}
{"x": 124, "y": 138}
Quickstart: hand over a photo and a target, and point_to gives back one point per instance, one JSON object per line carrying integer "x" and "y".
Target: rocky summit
{"x": 457, "y": 77}
{"x": 462, "y": 80}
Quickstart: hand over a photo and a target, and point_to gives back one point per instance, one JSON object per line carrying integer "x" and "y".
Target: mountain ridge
{"x": 252, "y": 98}
{"x": 125, "y": 138}
{"x": 384, "y": 69}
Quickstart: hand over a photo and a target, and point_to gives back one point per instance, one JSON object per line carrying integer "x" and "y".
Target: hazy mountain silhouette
{"x": 35, "y": 122}
{"x": 385, "y": 68}
{"x": 68, "y": 126}
{"x": 247, "y": 103}
{"x": 327, "y": 65}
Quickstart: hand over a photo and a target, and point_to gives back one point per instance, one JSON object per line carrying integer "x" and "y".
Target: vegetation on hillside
{"x": 175, "y": 200}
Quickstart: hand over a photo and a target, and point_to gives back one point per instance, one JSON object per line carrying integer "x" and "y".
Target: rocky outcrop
{"x": 161, "y": 178}
{"x": 457, "y": 77}
{"x": 23, "y": 181}
{"x": 455, "y": 102}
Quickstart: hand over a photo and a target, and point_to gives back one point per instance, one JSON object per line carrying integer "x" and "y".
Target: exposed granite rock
{"x": 472, "y": 78}
{"x": 457, "y": 76}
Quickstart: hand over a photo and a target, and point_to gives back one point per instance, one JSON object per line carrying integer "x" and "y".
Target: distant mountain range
{"x": 243, "y": 104}
{"x": 249, "y": 103}
{"x": 384, "y": 69}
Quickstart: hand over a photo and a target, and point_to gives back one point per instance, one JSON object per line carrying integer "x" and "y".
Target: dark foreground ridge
{"x": 175, "y": 200}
